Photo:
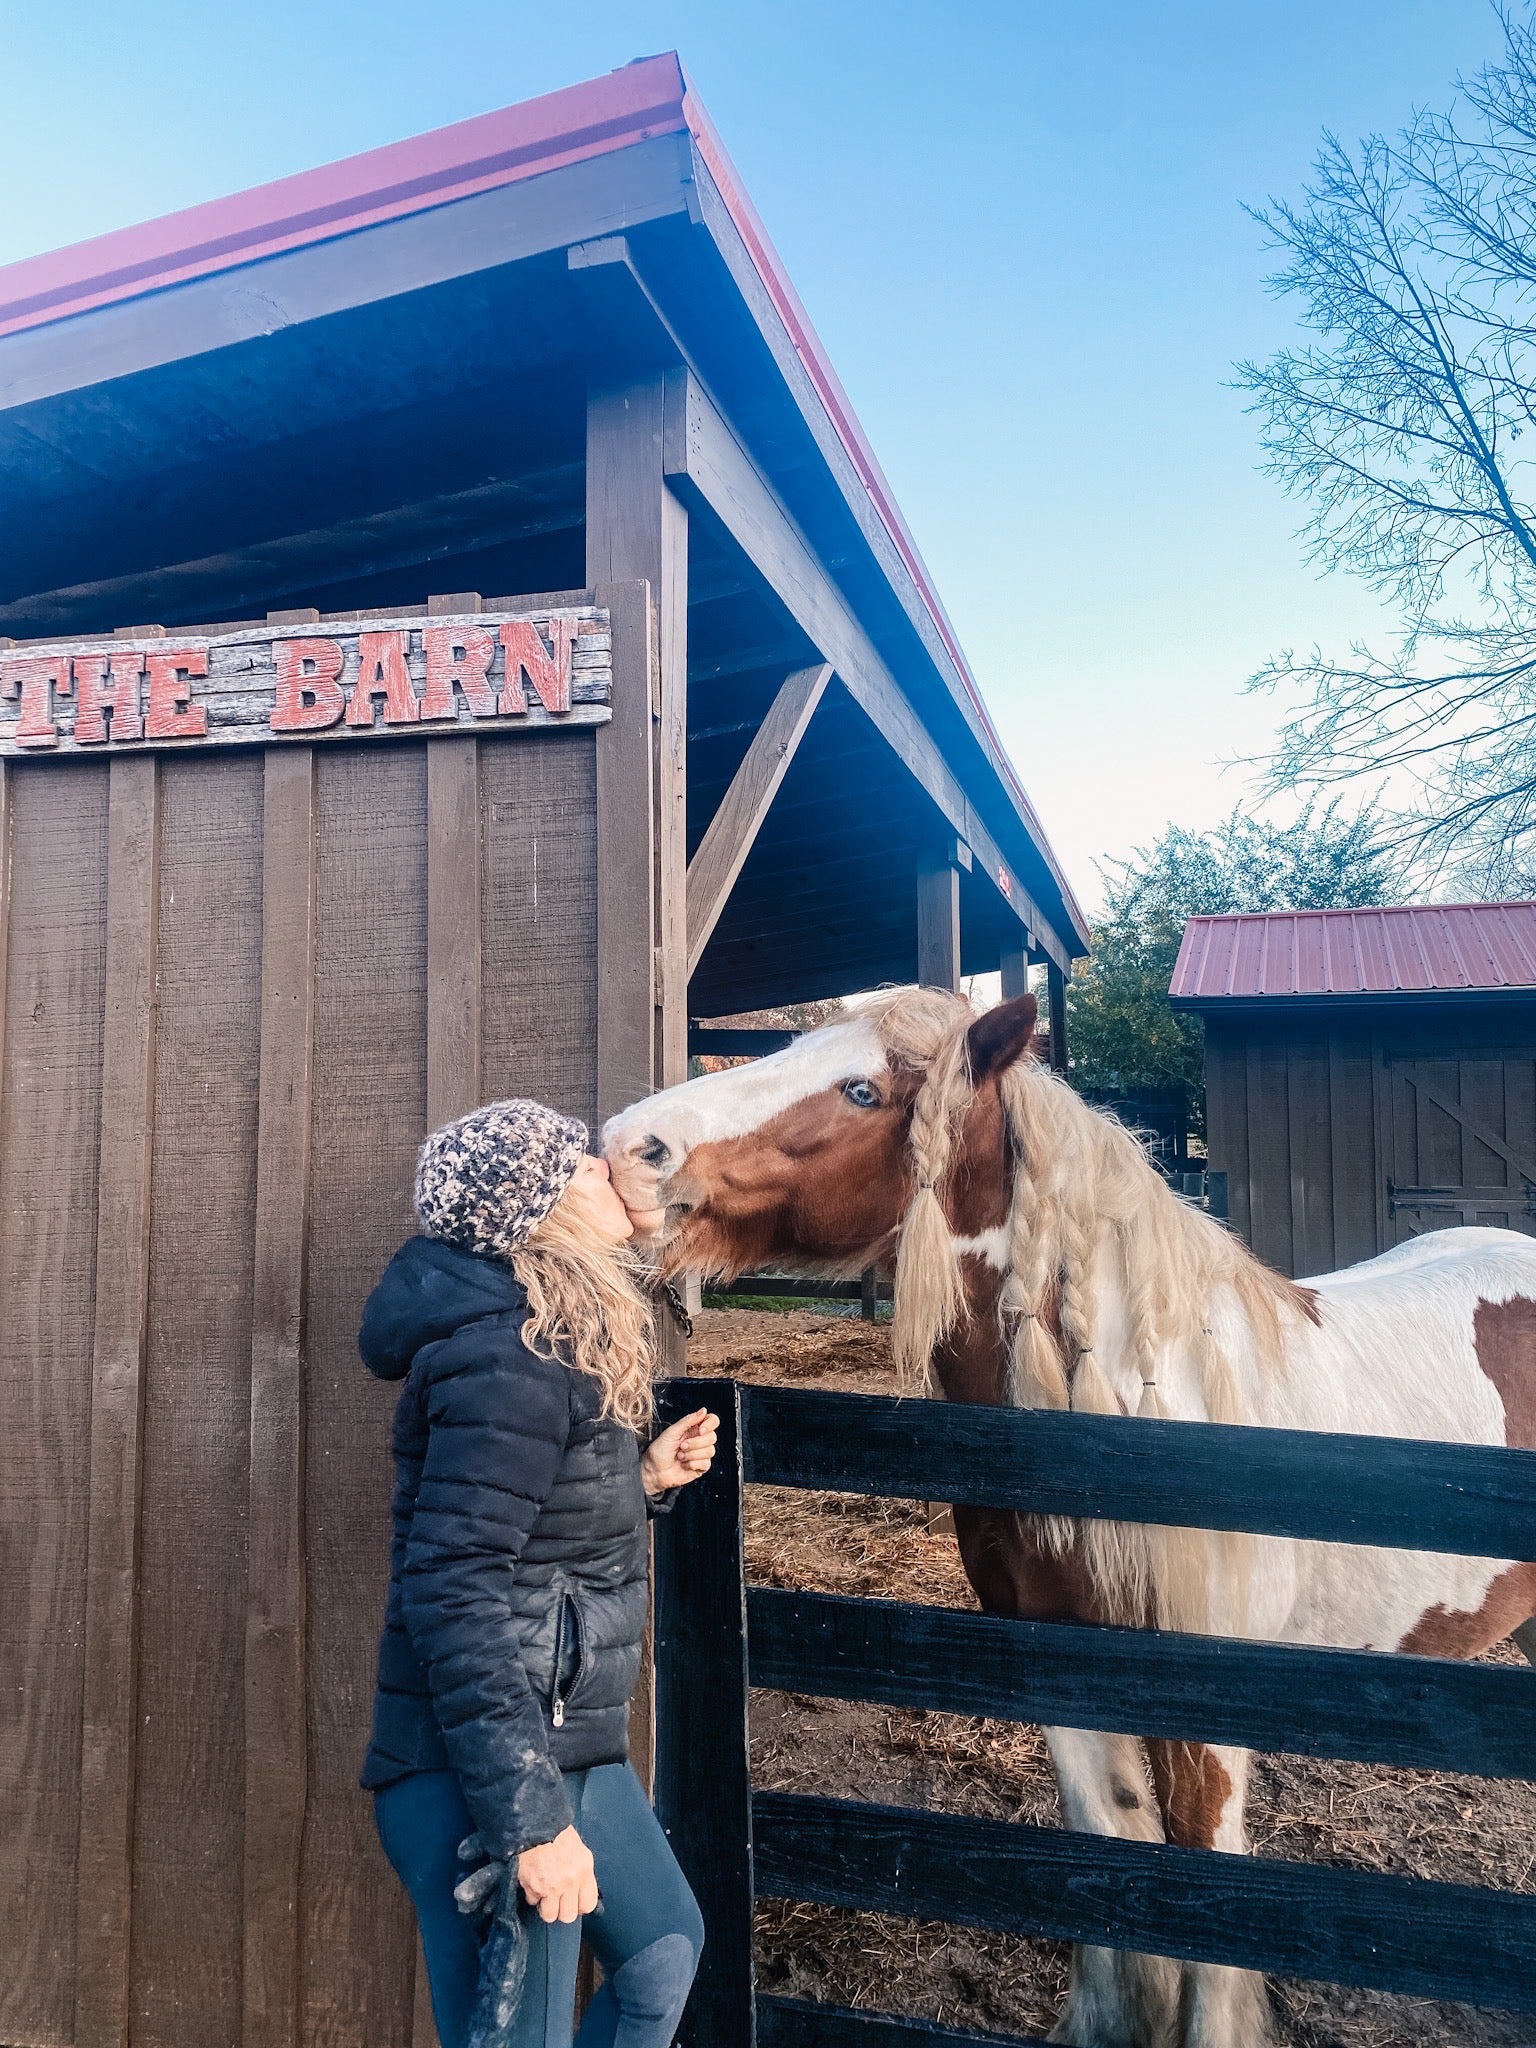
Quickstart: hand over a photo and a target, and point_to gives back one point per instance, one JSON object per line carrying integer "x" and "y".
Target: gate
{"x": 1461, "y": 1136}
{"x": 715, "y": 1636}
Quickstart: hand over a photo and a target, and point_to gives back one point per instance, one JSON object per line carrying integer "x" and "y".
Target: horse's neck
{"x": 971, "y": 1364}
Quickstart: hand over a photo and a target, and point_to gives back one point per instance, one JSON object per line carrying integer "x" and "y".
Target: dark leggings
{"x": 646, "y": 1932}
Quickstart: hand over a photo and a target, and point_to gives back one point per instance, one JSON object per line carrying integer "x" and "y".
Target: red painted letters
{"x": 250, "y": 685}
{"x": 381, "y": 672}
{"x": 172, "y": 715}
{"x": 548, "y": 669}
{"x": 462, "y": 655}
{"x": 107, "y": 686}
{"x": 34, "y": 678}
{"x": 308, "y": 685}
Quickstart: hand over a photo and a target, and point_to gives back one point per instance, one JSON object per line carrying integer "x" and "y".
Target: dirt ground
{"x": 1419, "y": 1824}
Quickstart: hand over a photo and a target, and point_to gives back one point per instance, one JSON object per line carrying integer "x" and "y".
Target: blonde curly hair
{"x": 587, "y": 1308}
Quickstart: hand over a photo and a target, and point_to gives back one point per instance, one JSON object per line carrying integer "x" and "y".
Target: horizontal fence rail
{"x": 1398, "y": 1934}
{"x": 1471, "y": 1500}
{"x": 790, "y": 2023}
{"x": 715, "y": 1635}
{"x": 779, "y": 1287}
{"x": 1419, "y": 1713}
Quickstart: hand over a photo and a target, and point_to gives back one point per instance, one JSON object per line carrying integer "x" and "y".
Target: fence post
{"x": 703, "y": 1787}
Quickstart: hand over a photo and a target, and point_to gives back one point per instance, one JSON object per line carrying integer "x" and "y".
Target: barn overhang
{"x": 383, "y": 381}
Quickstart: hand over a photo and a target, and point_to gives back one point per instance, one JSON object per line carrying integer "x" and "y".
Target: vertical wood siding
{"x": 189, "y": 1774}
{"x": 276, "y": 1746}
{"x": 325, "y": 936}
{"x": 49, "y": 1132}
{"x": 1313, "y": 1116}
{"x": 370, "y": 1108}
{"x": 539, "y": 911}
{"x": 110, "y": 1713}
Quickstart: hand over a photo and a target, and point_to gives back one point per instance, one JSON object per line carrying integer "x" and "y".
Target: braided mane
{"x": 1085, "y": 1202}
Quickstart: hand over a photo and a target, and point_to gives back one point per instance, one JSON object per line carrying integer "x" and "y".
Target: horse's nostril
{"x": 654, "y": 1152}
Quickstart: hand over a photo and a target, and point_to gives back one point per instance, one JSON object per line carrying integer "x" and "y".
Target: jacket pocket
{"x": 571, "y": 1656}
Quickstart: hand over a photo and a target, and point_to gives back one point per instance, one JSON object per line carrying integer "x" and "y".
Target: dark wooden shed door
{"x": 1461, "y": 1142}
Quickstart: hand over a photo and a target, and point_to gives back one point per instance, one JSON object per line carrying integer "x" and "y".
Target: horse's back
{"x": 1469, "y": 1256}
{"x": 1450, "y": 1306}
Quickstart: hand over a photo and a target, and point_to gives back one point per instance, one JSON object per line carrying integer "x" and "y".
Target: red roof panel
{"x": 1411, "y": 949}
{"x": 513, "y": 143}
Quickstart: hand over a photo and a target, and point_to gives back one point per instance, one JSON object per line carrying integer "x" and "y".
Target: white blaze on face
{"x": 648, "y": 1144}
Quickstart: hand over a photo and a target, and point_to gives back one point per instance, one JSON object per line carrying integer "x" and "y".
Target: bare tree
{"x": 1402, "y": 425}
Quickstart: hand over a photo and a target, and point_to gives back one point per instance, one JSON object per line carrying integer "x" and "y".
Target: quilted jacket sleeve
{"x": 498, "y": 1421}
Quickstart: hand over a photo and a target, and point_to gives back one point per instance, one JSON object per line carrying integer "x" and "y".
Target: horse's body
{"x": 1040, "y": 1260}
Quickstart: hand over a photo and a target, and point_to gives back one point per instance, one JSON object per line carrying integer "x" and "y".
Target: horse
{"x": 1039, "y": 1260}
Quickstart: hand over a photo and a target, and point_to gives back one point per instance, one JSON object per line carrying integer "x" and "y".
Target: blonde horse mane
{"x": 1084, "y": 1194}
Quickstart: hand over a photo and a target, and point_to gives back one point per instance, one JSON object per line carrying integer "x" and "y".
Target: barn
{"x": 455, "y": 632}
{"x": 1370, "y": 1074}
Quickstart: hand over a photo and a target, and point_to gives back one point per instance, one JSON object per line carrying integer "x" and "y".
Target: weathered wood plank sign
{"x": 334, "y": 680}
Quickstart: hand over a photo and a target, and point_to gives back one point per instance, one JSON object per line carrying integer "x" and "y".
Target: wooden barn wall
{"x": 232, "y": 953}
{"x": 1290, "y": 1109}
{"x": 1313, "y": 1114}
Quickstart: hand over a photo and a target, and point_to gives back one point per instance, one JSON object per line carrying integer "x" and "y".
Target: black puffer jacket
{"x": 517, "y": 1589}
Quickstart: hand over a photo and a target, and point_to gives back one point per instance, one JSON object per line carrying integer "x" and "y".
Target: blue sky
{"x": 1016, "y": 226}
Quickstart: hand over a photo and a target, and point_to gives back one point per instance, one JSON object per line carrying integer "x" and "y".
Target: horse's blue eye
{"x": 862, "y": 1094}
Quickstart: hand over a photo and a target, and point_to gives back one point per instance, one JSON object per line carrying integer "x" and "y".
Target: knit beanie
{"x": 486, "y": 1182}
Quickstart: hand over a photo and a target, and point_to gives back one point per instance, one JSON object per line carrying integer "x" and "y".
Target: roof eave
{"x": 1353, "y": 999}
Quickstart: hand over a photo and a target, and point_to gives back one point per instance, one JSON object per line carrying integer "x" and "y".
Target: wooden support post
{"x": 724, "y": 848}
{"x": 626, "y": 838}
{"x": 1056, "y": 989}
{"x": 938, "y": 925}
{"x": 938, "y": 966}
{"x": 105, "y": 1873}
{"x": 703, "y": 1776}
{"x": 637, "y": 565}
{"x": 276, "y": 1744}
{"x": 1013, "y": 966}
{"x": 637, "y": 530}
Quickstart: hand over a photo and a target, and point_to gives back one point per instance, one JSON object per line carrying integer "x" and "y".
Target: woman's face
{"x": 592, "y": 1195}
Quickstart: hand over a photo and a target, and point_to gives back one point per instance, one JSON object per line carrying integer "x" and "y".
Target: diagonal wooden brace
{"x": 713, "y": 870}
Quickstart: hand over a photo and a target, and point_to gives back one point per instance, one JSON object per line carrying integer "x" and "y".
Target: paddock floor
{"x": 1418, "y": 1823}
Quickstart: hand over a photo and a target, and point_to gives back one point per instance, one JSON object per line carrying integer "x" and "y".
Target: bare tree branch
{"x": 1401, "y": 424}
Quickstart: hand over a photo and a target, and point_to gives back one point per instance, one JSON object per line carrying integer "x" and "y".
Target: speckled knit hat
{"x": 486, "y": 1182}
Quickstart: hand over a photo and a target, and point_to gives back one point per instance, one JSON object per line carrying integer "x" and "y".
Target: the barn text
{"x": 316, "y": 681}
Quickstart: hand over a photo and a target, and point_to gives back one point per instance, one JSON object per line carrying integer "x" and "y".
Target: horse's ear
{"x": 1000, "y": 1036}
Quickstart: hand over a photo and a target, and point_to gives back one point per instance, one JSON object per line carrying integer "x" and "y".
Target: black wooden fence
{"x": 715, "y": 1636}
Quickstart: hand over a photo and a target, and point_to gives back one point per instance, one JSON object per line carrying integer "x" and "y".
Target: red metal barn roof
{"x": 1416, "y": 949}
{"x": 648, "y": 98}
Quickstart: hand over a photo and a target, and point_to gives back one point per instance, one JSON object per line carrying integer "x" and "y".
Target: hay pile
{"x": 1416, "y": 1823}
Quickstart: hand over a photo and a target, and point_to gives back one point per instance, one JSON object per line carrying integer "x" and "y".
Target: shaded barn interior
{"x": 548, "y": 353}
{"x": 1370, "y": 1075}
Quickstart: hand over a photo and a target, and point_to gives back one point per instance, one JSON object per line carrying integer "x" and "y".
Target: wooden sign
{"x": 333, "y": 680}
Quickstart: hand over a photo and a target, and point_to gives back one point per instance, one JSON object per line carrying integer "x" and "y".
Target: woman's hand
{"x": 558, "y": 1877}
{"x": 682, "y": 1453}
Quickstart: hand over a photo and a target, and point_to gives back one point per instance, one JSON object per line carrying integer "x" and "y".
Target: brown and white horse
{"x": 1039, "y": 1260}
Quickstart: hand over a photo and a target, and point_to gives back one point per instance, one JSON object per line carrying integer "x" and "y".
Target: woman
{"x": 517, "y": 1591}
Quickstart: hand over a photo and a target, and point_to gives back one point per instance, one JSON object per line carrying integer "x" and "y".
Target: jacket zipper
{"x": 557, "y": 1701}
